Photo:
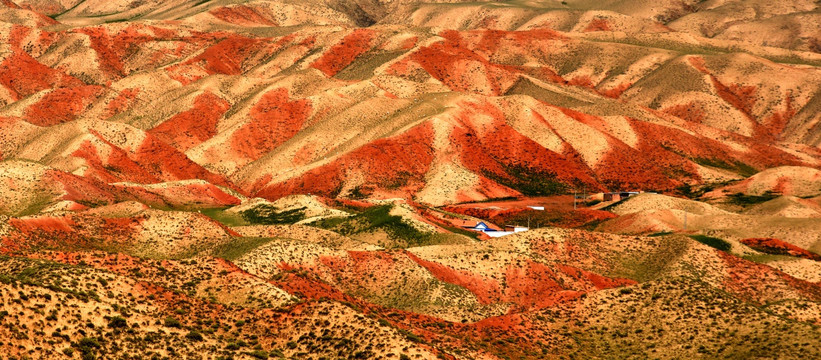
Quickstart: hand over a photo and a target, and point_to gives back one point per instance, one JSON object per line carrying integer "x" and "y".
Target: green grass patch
{"x": 377, "y": 218}
{"x": 226, "y": 218}
{"x": 713, "y": 242}
{"x": 270, "y": 215}
{"x": 363, "y": 67}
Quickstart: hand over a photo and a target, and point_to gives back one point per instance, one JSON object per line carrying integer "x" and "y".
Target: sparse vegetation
{"x": 237, "y": 247}
{"x": 172, "y": 322}
{"x": 377, "y": 218}
{"x": 528, "y": 181}
{"x": 746, "y": 200}
{"x": 133, "y": 134}
{"x": 713, "y": 242}
{"x": 270, "y": 215}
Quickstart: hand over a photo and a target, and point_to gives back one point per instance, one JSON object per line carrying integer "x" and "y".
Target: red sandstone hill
{"x": 441, "y": 103}
{"x": 280, "y": 179}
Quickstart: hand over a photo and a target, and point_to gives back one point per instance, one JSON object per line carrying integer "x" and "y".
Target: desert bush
{"x": 258, "y": 354}
{"x": 117, "y": 322}
{"x": 194, "y": 336}
{"x": 172, "y": 322}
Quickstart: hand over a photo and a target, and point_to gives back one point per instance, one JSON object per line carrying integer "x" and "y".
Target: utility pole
{"x": 574, "y": 199}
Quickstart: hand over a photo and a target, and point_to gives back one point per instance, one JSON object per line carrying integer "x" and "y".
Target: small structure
{"x": 515, "y": 229}
{"x": 487, "y": 228}
{"x": 619, "y": 196}
{"x": 476, "y": 225}
{"x": 539, "y": 208}
{"x": 508, "y": 231}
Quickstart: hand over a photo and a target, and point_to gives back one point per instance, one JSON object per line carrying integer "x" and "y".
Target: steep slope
{"x": 273, "y": 98}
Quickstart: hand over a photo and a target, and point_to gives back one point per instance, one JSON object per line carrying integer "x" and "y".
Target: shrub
{"x": 258, "y": 354}
{"x": 172, "y": 322}
{"x": 88, "y": 343}
{"x": 86, "y": 346}
{"x": 117, "y": 322}
{"x": 194, "y": 336}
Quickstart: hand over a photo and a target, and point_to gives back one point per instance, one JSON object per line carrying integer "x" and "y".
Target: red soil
{"x": 409, "y": 43}
{"x": 191, "y": 127}
{"x": 597, "y": 24}
{"x": 241, "y": 15}
{"x": 43, "y": 225}
{"x": 228, "y": 56}
{"x": 81, "y": 189}
{"x": 599, "y": 282}
{"x": 69, "y": 232}
{"x": 38, "y": 76}
{"x": 309, "y": 288}
{"x": 583, "y": 81}
{"x": 615, "y": 92}
{"x": 409, "y": 154}
{"x": 501, "y": 148}
{"x": 739, "y": 96}
{"x": 116, "y": 168}
{"x": 746, "y": 279}
{"x": 549, "y": 217}
{"x": 774, "y": 126}
{"x": 165, "y": 162}
{"x": 778, "y": 247}
{"x": 61, "y": 105}
{"x": 184, "y": 195}
{"x": 113, "y": 49}
{"x": 275, "y": 119}
{"x": 456, "y": 60}
{"x": 446, "y": 60}
{"x": 690, "y": 112}
{"x": 345, "y": 52}
{"x": 783, "y": 185}
{"x": 487, "y": 291}
{"x": 698, "y": 63}
{"x": 122, "y": 102}
{"x": 535, "y": 285}
{"x": 657, "y": 163}
{"x": 153, "y": 161}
